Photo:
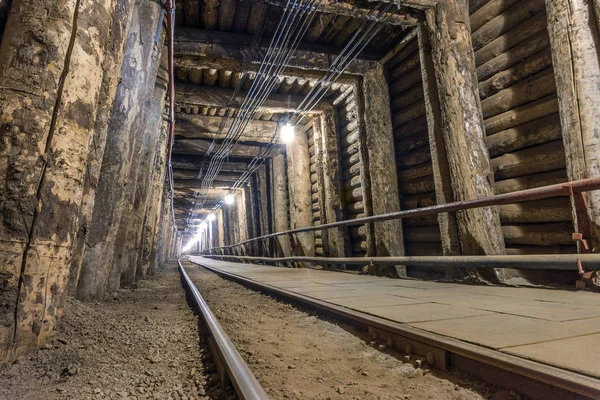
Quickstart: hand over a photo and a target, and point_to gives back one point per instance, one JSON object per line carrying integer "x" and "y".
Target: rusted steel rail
{"x": 575, "y": 188}
{"x": 564, "y": 262}
{"x": 244, "y": 382}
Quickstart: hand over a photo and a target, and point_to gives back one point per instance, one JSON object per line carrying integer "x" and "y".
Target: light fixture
{"x": 287, "y": 133}
{"x": 229, "y": 199}
{"x": 211, "y": 217}
{"x": 203, "y": 226}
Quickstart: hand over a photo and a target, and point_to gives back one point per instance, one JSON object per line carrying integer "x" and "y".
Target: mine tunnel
{"x": 300, "y": 199}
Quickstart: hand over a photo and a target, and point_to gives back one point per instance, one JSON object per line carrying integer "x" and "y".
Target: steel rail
{"x": 558, "y": 262}
{"x": 558, "y": 190}
{"x": 552, "y": 377}
{"x": 243, "y": 380}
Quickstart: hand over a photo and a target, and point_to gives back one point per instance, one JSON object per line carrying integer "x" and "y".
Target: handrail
{"x": 558, "y": 190}
{"x": 557, "y": 262}
{"x": 245, "y": 383}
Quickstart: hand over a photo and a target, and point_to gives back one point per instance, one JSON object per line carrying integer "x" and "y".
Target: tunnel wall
{"x": 518, "y": 98}
{"x": 349, "y": 131}
{"x": 413, "y": 156}
{"x": 62, "y": 66}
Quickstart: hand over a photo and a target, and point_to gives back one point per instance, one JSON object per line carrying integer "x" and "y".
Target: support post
{"x": 280, "y": 208}
{"x": 51, "y": 66}
{"x": 377, "y": 118}
{"x": 220, "y": 229}
{"x": 575, "y": 43}
{"x": 439, "y": 159}
{"x": 300, "y": 194}
{"x": 462, "y": 127}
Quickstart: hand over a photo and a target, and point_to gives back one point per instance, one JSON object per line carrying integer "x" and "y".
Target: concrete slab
{"x": 560, "y": 328}
{"x": 581, "y": 353}
{"x": 502, "y": 330}
{"x": 424, "y": 312}
{"x": 363, "y": 302}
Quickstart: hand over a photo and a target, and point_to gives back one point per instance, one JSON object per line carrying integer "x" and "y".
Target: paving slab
{"x": 503, "y": 330}
{"x": 559, "y": 328}
{"x": 580, "y": 353}
{"x": 424, "y": 312}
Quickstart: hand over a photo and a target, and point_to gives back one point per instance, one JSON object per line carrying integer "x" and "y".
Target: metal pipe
{"x": 245, "y": 383}
{"x": 558, "y": 190}
{"x": 560, "y": 262}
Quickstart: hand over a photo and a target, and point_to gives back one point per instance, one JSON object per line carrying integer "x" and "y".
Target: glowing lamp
{"x": 229, "y": 199}
{"x": 211, "y": 217}
{"x": 287, "y": 133}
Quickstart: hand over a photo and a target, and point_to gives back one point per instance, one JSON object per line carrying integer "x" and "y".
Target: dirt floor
{"x": 140, "y": 344}
{"x": 144, "y": 343}
{"x": 296, "y": 355}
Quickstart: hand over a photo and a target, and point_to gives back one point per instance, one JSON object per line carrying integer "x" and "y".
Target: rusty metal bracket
{"x": 579, "y": 201}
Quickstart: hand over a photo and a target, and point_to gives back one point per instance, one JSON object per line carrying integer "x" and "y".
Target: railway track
{"x": 535, "y": 380}
{"x": 231, "y": 367}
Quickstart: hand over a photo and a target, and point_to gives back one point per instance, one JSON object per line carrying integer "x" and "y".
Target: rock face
{"x": 60, "y": 64}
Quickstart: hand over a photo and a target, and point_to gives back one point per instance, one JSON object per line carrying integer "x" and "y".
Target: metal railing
{"x": 573, "y": 189}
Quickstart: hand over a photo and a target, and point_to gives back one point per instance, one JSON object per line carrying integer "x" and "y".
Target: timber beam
{"x": 196, "y": 163}
{"x": 409, "y": 14}
{"x": 212, "y": 96}
{"x": 238, "y": 48}
{"x": 193, "y": 174}
{"x": 201, "y": 146}
{"x": 194, "y": 126}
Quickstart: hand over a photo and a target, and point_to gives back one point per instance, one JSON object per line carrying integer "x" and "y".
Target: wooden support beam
{"x": 196, "y": 183}
{"x": 462, "y": 128}
{"x": 195, "y": 126}
{"x": 335, "y": 241}
{"x": 439, "y": 158}
{"x": 574, "y": 38}
{"x": 232, "y": 47}
{"x": 280, "y": 206}
{"x": 193, "y": 174}
{"x": 213, "y": 96}
{"x": 182, "y": 161}
{"x": 408, "y": 15}
{"x": 200, "y": 147}
{"x": 377, "y": 118}
{"x": 300, "y": 194}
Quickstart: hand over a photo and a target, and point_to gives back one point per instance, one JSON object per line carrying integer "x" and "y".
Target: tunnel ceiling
{"x": 214, "y": 50}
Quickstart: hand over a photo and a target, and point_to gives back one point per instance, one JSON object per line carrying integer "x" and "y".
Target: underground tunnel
{"x": 300, "y": 199}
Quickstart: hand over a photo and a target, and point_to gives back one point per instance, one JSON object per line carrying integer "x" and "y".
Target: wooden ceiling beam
{"x": 193, "y": 174}
{"x": 193, "y": 126}
{"x": 213, "y": 96}
{"x": 201, "y": 146}
{"x": 190, "y": 42}
{"x": 195, "y": 163}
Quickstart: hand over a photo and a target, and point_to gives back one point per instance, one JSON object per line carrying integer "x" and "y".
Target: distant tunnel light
{"x": 229, "y": 199}
{"x": 211, "y": 217}
{"x": 287, "y": 133}
{"x": 203, "y": 226}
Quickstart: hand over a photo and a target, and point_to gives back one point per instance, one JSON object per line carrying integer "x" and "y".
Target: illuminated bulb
{"x": 211, "y": 217}
{"x": 287, "y": 133}
{"x": 229, "y": 199}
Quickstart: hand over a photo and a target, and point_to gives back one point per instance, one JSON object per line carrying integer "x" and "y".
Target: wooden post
{"x": 439, "y": 159}
{"x": 220, "y": 229}
{"x": 382, "y": 164}
{"x": 461, "y": 123}
{"x": 280, "y": 208}
{"x": 335, "y": 241}
{"x": 51, "y": 69}
{"x": 575, "y": 41}
{"x": 300, "y": 194}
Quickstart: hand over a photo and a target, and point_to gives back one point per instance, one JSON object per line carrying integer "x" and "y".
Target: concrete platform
{"x": 554, "y": 327}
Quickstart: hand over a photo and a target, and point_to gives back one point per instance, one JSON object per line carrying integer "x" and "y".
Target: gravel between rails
{"x": 138, "y": 344}
{"x": 297, "y": 355}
